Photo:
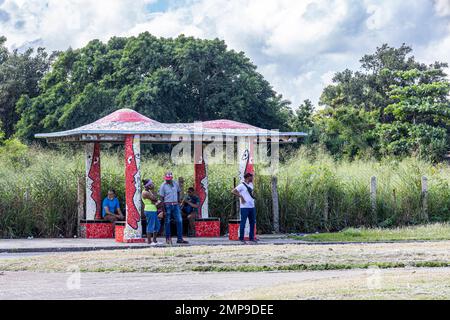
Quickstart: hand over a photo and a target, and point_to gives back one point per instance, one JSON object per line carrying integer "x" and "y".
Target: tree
{"x": 346, "y": 131}
{"x": 20, "y": 74}
{"x": 369, "y": 88}
{"x": 303, "y": 119}
{"x": 403, "y": 105}
{"x": 420, "y": 115}
{"x": 170, "y": 80}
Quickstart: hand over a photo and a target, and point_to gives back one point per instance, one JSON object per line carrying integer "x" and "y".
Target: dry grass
{"x": 437, "y": 231}
{"x": 372, "y": 284}
{"x": 242, "y": 258}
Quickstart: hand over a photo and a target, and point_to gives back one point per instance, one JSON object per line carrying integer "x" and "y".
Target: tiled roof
{"x": 127, "y": 121}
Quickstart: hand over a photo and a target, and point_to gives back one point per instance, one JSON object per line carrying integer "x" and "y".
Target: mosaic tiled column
{"x": 246, "y": 151}
{"x": 93, "y": 182}
{"x": 133, "y": 226}
{"x": 201, "y": 180}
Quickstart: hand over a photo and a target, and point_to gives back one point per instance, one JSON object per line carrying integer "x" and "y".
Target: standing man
{"x": 111, "y": 208}
{"x": 247, "y": 203}
{"x": 170, "y": 196}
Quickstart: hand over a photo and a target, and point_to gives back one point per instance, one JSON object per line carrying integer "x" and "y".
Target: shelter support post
{"x": 93, "y": 227}
{"x": 133, "y": 225}
{"x": 201, "y": 180}
{"x": 204, "y": 225}
{"x": 246, "y": 153}
{"x": 93, "y": 182}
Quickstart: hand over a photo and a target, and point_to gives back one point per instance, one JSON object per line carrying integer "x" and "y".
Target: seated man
{"x": 111, "y": 208}
{"x": 189, "y": 208}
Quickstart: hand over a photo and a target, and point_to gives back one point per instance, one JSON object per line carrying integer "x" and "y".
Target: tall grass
{"x": 38, "y": 191}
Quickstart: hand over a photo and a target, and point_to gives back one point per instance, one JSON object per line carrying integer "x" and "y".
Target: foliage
{"x": 437, "y": 231}
{"x": 39, "y": 196}
{"x": 420, "y": 116}
{"x": 2, "y": 134}
{"x": 346, "y": 130}
{"x": 20, "y": 74}
{"x": 393, "y": 106}
{"x": 170, "y": 80}
{"x": 303, "y": 118}
{"x": 12, "y": 150}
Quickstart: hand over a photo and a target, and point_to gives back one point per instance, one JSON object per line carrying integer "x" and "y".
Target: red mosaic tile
{"x": 207, "y": 228}
{"x": 119, "y": 232}
{"x": 233, "y": 230}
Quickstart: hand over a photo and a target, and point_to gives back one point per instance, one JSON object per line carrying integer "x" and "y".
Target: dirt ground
{"x": 418, "y": 270}
{"x": 242, "y": 258}
{"x": 413, "y": 283}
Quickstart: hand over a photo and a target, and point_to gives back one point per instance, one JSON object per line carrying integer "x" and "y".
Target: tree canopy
{"x": 170, "y": 80}
{"x": 20, "y": 74}
{"x": 393, "y": 106}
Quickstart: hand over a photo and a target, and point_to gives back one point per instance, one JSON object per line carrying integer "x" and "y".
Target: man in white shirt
{"x": 247, "y": 203}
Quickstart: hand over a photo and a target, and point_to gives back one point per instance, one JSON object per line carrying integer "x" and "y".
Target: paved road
{"x": 22, "y": 255}
{"x": 31, "y": 285}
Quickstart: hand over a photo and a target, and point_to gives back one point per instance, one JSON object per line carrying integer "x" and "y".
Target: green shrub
{"x": 38, "y": 191}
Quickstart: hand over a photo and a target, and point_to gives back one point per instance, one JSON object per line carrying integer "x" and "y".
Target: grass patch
{"x": 432, "y": 232}
{"x": 39, "y": 192}
{"x": 392, "y": 284}
{"x": 243, "y": 258}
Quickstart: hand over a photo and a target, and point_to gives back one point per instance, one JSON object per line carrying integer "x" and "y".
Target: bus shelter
{"x": 128, "y": 127}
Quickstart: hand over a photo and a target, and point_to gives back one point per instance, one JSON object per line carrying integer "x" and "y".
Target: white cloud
{"x": 297, "y": 45}
{"x": 58, "y": 24}
{"x": 442, "y": 7}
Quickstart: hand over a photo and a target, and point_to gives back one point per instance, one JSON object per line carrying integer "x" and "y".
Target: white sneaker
{"x": 153, "y": 244}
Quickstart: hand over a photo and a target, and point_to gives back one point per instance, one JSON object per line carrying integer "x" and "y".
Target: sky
{"x": 297, "y": 44}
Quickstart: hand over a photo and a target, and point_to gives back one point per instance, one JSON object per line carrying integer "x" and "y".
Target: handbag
{"x": 250, "y": 190}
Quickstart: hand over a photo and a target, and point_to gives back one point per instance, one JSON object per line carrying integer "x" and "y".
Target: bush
{"x": 38, "y": 194}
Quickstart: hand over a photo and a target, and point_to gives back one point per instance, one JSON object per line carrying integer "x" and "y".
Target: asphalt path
{"x": 147, "y": 286}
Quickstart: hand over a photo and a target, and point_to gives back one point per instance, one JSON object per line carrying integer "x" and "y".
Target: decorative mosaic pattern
{"x": 125, "y": 115}
{"x": 129, "y": 125}
{"x": 93, "y": 230}
{"x": 201, "y": 181}
{"x": 133, "y": 227}
{"x": 127, "y": 121}
{"x": 207, "y": 228}
{"x": 246, "y": 151}
{"x": 93, "y": 182}
{"x": 246, "y": 155}
{"x": 233, "y": 231}
{"x": 119, "y": 232}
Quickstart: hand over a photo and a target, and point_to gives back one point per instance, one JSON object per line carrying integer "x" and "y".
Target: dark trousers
{"x": 250, "y": 214}
{"x": 174, "y": 210}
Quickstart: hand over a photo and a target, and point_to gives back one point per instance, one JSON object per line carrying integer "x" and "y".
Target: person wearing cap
{"x": 170, "y": 196}
{"x": 150, "y": 200}
{"x": 247, "y": 204}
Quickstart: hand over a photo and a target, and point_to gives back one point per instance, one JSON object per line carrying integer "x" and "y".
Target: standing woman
{"x": 150, "y": 200}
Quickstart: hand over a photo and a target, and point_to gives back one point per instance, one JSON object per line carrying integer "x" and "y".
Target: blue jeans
{"x": 250, "y": 214}
{"x": 153, "y": 224}
{"x": 174, "y": 209}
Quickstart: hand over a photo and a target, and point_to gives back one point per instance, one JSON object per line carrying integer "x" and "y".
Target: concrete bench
{"x": 96, "y": 229}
